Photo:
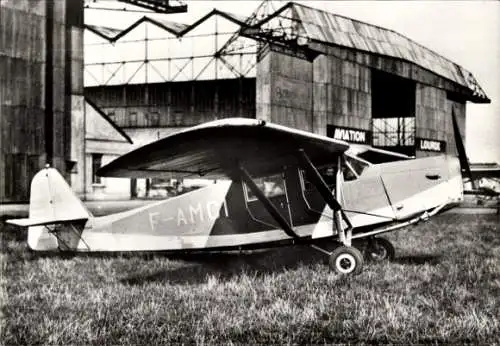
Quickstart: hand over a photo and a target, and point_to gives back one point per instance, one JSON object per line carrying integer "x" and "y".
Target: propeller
{"x": 462, "y": 155}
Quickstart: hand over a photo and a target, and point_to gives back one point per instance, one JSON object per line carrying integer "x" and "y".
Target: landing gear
{"x": 379, "y": 249}
{"x": 346, "y": 260}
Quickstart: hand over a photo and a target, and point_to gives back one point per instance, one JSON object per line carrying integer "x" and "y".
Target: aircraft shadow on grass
{"x": 419, "y": 259}
{"x": 224, "y": 266}
{"x": 198, "y": 268}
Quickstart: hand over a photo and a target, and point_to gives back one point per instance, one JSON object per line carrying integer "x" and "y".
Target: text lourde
{"x": 426, "y": 144}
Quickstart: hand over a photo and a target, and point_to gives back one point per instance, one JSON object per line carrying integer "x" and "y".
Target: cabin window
{"x": 96, "y": 164}
{"x": 271, "y": 186}
{"x": 328, "y": 173}
{"x": 310, "y": 194}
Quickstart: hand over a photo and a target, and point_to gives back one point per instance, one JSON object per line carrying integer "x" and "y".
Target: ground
{"x": 443, "y": 286}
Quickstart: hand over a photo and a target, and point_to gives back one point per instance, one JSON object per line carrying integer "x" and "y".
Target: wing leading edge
{"x": 211, "y": 150}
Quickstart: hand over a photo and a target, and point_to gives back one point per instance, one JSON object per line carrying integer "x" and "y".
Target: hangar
{"x": 291, "y": 64}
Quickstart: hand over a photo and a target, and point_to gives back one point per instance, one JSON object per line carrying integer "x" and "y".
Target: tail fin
{"x": 51, "y": 202}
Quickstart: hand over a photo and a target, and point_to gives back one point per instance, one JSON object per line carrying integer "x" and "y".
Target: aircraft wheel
{"x": 379, "y": 249}
{"x": 346, "y": 260}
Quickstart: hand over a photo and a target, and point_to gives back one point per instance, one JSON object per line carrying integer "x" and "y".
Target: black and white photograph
{"x": 249, "y": 172}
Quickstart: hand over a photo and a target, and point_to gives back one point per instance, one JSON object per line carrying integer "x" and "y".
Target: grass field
{"x": 443, "y": 286}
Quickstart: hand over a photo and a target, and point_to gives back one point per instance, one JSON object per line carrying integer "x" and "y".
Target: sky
{"x": 466, "y": 32}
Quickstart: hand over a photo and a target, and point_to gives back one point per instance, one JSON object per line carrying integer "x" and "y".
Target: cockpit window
{"x": 352, "y": 168}
{"x": 349, "y": 173}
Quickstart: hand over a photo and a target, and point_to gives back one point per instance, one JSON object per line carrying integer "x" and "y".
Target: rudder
{"x": 52, "y": 202}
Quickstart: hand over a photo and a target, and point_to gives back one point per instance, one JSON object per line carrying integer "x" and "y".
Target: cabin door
{"x": 274, "y": 188}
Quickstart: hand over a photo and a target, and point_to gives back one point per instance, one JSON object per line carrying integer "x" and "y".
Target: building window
{"x": 96, "y": 164}
{"x": 394, "y": 132}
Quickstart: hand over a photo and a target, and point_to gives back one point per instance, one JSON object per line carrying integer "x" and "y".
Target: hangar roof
{"x": 325, "y": 27}
{"x": 175, "y": 28}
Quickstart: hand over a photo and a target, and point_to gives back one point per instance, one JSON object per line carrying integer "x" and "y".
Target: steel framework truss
{"x": 159, "y": 6}
{"x": 152, "y": 50}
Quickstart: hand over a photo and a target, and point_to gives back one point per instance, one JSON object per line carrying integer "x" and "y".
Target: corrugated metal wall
{"x": 337, "y": 90}
{"x": 284, "y": 93}
{"x": 22, "y": 30}
{"x": 342, "y": 94}
{"x": 434, "y": 117}
{"x": 23, "y": 88}
{"x": 296, "y": 92}
{"x": 175, "y": 104}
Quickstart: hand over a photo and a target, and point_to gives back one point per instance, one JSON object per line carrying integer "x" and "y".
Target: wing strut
{"x": 317, "y": 180}
{"x": 266, "y": 202}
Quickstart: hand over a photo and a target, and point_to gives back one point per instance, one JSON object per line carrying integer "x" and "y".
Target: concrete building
{"x": 104, "y": 141}
{"x": 44, "y": 118}
{"x": 41, "y": 84}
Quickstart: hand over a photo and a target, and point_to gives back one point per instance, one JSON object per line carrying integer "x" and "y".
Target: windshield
{"x": 353, "y": 168}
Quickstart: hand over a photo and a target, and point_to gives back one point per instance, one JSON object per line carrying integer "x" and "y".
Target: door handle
{"x": 432, "y": 176}
{"x": 399, "y": 206}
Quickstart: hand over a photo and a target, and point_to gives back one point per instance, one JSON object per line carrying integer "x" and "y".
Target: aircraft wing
{"x": 375, "y": 155}
{"x": 211, "y": 150}
{"x": 478, "y": 173}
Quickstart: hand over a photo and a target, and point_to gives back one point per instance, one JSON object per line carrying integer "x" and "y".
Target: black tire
{"x": 379, "y": 249}
{"x": 346, "y": 260}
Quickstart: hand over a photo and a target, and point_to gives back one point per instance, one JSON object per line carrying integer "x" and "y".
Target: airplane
{"x": 272, "y": 186}
{"x": 485, "y": 183}
{"x": 472, "y": 175}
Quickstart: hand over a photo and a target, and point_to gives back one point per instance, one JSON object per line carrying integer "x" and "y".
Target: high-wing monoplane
{"x": 272, "y": 185}
{"x": 484, "y": 183}
{"x": 473, "y": 175}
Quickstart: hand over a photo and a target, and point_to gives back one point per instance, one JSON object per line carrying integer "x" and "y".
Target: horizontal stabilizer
{"x": 28, "y": 222}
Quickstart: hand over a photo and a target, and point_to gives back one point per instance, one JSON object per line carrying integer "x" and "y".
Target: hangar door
{"x": 393, "y": 112}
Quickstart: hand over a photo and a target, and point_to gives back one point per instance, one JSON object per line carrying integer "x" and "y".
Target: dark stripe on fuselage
{"x": 249, "y": 217}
